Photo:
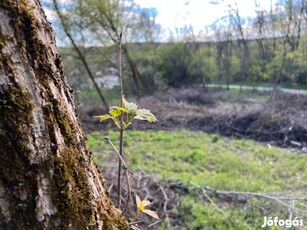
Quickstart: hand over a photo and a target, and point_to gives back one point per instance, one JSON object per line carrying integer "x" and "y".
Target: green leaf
{"x": 130, "y": 106}
{"x": 145, "y": 114}
{"x": 103, "y": 117}
{"x": 120, "y": 108}
{"x": 115, "y": 111}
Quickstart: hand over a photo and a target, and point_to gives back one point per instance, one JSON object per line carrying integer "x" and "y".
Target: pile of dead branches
{"x": 281, "y": 121}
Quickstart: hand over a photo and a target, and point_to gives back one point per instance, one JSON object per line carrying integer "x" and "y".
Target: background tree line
{"x": 269, "y": 48}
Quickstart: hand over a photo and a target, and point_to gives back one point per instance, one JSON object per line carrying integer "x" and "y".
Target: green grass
{"x": 196, "y": 158}
{"x": 206, "y": 217}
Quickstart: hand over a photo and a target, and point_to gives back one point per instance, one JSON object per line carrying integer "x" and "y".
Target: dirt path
{"x": 260, "y": 88}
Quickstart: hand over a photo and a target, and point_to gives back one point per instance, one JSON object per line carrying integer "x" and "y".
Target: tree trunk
{"x": 47, "y": 177}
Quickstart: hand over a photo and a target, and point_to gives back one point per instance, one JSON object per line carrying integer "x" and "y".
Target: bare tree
{"x": 47, "y": 177}
{"x": 286, "y": 24}
{"x": 242, "y": 40}
{"x": 80, "y": 54}
{"x": 104, "y": 20}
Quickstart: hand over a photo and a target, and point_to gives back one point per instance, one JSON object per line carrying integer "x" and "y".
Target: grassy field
{"x": 196, "y": 158}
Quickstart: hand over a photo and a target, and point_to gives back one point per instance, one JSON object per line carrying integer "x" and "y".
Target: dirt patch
{"x": 165, "y": 196}
{"x": 281, "y": 121}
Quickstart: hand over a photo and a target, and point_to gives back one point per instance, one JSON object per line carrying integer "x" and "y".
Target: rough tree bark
{"x": 47, "y": 177}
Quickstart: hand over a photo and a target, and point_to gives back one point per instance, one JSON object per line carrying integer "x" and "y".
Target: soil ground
{"x": 280, "y": 121}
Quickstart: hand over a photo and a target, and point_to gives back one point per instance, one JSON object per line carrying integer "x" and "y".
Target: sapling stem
{"x": 117, "y": 114}
{"x": 121, "y": 130}
{"x": 119, "y": 192}
{"x": 124, "y": 166}
{"x": 128, "y": 192}
{"x": 136, "y": 216}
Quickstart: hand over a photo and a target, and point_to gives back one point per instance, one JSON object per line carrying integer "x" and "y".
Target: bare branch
{"x": 249, "y": 194}
{"x": 80, "y": 54}
{"x": 119, "y": 156}
{"x": 211, "y": 201}
{"x": 151, "y": 225}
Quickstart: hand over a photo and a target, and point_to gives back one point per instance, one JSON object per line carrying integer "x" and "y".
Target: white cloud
{"x": 51, "y": 15}
{"x": 198, "y": 13}
{"x": 49, "y": 10}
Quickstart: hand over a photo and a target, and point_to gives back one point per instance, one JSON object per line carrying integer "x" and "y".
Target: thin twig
{"x": 127, "y": 173}
{"x": 211, "y": 201}
{"x": 165, "y": 203}
{"x": 261, "y": 195}
{"x": 110, "y": 188}
{"x": 157, "y": 222}
{"x": 132, "y": 176}
{"x": 165, "y": 198}
{"x": 136, "y": 222}
{"x": 120, "y": 157}
{"x": 290, "y": 212}
{"x": 124, "y": 166}
{"x": 129, "y": 191}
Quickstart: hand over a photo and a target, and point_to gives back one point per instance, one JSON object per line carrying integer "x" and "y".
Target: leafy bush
{"x": 173, "y": 62}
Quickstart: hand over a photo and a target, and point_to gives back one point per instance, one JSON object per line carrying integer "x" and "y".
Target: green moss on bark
{"x": 2, "y": 41}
